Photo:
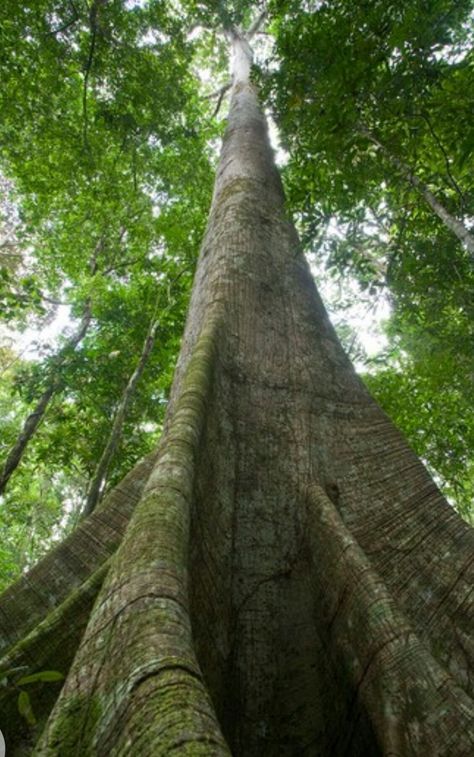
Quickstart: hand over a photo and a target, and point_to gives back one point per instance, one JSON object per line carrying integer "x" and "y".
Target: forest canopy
{"x": 111, "y": 116}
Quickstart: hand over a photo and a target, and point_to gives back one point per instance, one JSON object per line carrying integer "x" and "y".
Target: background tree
{"x": 106, "y": 215}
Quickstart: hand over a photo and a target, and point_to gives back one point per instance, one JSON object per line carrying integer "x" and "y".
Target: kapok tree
{"x": 291, "y": 581}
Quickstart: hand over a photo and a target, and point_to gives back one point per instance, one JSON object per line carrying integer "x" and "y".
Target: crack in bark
{"x": 164, "y": 669}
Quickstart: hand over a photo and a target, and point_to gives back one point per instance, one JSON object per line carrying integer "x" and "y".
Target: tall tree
{"x": 291, "y": 581}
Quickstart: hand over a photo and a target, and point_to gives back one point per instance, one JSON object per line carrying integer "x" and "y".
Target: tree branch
{"x": 93, "y": 13}
{"x": 66, "y": 25}
{"x": 255, "y": 27}
{"x": 451, "y": 178}
{"x": 218, "y": 92}
{"x": 221, "y": 97}
{"x": 33, "y": 420}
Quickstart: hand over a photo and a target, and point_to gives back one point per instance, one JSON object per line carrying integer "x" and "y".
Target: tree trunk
{"x": 98, "y": 480}
{"x": 34, "y": 419}
{"x": 452, "y": 223}
{"x": 291, "y": 582}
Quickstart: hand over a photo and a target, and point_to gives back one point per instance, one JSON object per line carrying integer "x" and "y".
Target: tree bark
{"x": 100, "y": 473}
{"x": 34, "y": 419}
{"x": 65, "y": 568}
{"x": 291, "y": 582}
{"x": 44, "y": 614}
{"x": 51, "y": 645}
{"x": 452, "y": 223}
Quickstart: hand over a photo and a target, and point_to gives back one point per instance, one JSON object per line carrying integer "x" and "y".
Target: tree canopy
{"x": 110, "y": 120}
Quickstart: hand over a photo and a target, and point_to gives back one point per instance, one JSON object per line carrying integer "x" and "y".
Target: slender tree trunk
{"x": 34, "y": 419}
{"x": 100, "y": 473}
{"x": 452, "y": 223}
{"x": 291, "y": 582}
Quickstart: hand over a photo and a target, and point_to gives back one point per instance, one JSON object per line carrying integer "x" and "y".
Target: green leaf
{"x": 42, "y": 675}
{"x": 25, "y": 709}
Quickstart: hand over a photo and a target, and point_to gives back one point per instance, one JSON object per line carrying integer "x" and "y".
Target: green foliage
{"x": 105, "y": 140}
{"x": 403, "y": 72}
{"x": 420, "y": 399}
{"x": 41, "y": 675}
{"x": 25, "y": 709}
{"x": 12, "y": 678}
{"x": 385, "y": 67}
{"x": 107, "y": 147}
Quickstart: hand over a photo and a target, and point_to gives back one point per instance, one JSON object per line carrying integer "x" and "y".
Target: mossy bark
{"x": 65, "y": 568}
{"x": 136, "y": 664}
{"x": 50, "y": 646}
{"x": 292, "y": 582}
